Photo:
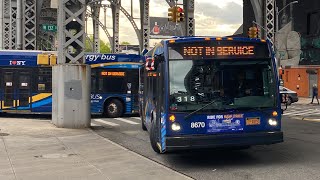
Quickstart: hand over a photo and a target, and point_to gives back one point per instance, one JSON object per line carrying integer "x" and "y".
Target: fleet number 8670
{"x": 198, "y": 124}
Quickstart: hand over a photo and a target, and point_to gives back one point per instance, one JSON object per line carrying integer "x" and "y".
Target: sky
{"x": 212, "y": 17}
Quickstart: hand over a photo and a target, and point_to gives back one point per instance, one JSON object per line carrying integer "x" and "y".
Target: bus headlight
{"x": 272, "y": 122}
{"x": 175, "y": 127}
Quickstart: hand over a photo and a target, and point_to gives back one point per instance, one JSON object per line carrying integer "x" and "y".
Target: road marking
{"x": 126, "y": 121}
{"x": 295, "y": 112}
{"x": 309, "y": 112}
{"x": 106, "y": 122}
{"x": 138, "y": 118}
{"x": 309, "y": 119}
{"x": 93, "y": 124}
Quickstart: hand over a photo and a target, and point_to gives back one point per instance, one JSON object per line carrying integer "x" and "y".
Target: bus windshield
{"x": 223, "y": 83}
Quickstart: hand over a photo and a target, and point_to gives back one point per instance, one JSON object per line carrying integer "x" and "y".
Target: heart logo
{"x": 14, "y": 62}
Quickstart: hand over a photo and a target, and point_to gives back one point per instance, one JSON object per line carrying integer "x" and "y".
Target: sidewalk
{"x": 303, "y": 100}
{"x": 37, "y": 150}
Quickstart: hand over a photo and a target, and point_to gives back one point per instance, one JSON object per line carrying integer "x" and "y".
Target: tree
{"x": 104, "y": 46}
{"x": 125, "y": 43}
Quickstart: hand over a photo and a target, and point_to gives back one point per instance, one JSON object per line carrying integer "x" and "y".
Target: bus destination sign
{"x": 218, "y": 50}
{"x": 119, "y": 74}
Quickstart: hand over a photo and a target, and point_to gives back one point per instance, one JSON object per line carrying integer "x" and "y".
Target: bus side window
{"x": 94, "y": 80}
{"x": 45, "y": 80}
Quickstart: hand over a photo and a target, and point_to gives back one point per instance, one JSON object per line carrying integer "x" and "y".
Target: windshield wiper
{"x": 260, "y": 109}
{"x": 193, "y": 112}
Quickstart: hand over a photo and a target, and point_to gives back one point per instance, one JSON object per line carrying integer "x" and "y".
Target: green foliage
{"x": 125, "y": 43}
{"x": 104, "y": 46}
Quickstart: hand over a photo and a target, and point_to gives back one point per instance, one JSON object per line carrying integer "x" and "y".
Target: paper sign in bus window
{"x": 8, "y": 84}
{"x": 41, "y": 87}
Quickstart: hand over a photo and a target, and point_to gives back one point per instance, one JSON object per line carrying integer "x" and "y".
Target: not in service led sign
{"x": 219, "y": 50}
{"x": 106, "y": 73}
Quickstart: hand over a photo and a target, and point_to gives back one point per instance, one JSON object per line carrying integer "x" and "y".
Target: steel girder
{"x": 116, "y": 18}
{"x": 95, "y": 10}
{"x": 30, "y": 26}
{"x": 269, "y": 19}
{"x": 71, "y": 32}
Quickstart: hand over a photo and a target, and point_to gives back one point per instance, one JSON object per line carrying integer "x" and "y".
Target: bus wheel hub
{"x": 112, "y": 108}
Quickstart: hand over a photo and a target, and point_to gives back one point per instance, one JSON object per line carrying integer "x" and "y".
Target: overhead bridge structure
{"x": 23, "y": 22}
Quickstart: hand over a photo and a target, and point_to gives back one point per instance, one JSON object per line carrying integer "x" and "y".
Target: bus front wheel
{"x": 143, "y": 126}
{"x": 114, "y": 108}
{"x": 154, "y": 136}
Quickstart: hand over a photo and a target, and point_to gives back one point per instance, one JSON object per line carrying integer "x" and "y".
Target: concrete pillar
{"x": 71, "y": 93}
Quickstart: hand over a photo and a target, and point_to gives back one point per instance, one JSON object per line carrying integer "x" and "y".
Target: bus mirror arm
{"x": 159, "y": 58}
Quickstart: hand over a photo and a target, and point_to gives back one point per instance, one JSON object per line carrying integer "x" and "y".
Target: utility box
{"x": 71, "y": 95}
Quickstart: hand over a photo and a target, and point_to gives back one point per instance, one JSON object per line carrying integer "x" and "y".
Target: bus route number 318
{"x": 198, "y": 124}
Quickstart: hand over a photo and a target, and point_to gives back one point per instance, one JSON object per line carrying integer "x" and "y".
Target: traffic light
{"x": 172, "y": 14}
{"x": 253, "y": 32}
{"x": 179, "y": 14}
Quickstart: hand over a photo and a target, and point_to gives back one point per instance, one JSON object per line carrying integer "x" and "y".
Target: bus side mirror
{"x": 153, "y": 62}
{"x": 150, "y": 64}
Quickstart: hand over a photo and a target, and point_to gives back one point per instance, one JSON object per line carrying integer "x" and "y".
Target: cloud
{"x": 212, "y": 17}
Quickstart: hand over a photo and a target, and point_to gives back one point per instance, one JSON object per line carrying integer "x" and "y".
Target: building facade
{"x": 297, "y": 42}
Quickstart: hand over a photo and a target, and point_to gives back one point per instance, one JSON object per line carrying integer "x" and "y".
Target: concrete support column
{"x": 71, "y": 78}
{"x": 71, "y": 95}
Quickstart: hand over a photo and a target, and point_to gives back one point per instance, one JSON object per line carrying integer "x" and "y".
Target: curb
{"x": 311, "y": 119}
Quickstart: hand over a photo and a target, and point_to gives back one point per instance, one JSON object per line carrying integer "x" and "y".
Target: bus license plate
{"x": 252, "y": 121}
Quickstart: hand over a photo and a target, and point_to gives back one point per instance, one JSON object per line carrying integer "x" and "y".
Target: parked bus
{"x": 203, "y": 92}
{"x": 26, "y": 83}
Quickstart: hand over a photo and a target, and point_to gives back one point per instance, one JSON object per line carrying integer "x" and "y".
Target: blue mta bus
{"x": 26, "y": 82}
{"x": 204, "y": 92}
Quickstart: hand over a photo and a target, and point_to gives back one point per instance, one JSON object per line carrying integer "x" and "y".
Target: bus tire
{"x": 114, "y": 108}
{"x": 143, "y": 125}
{"x": 154, "y": 136}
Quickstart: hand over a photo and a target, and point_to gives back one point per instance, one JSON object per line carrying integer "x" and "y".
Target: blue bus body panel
{"x": 43, "y": 103}
{"x": 98, "y": 58}
{"x": 97, "y": 102}
{"x": 215, "y": 124}
{"x": 16, "y": 58}
{"x": 226, "y": 122}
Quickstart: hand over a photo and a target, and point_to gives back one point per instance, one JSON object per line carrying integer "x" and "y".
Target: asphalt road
{"x": 298, "y": 157}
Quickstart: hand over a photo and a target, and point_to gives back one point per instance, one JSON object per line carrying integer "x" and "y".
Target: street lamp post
{"x": 278, "y": 12}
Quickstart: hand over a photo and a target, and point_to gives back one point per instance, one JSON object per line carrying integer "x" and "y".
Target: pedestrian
{"x": 314, "y": 93}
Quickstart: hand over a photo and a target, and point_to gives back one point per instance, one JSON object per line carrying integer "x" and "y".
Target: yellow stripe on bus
{"x": 114, "y": 63}
{"x": 40, "y": 96}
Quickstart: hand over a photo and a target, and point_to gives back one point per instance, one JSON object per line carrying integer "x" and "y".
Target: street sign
{"x": 49, "y": 27}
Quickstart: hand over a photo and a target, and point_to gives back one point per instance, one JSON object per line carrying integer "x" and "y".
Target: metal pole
{"x": 131, "y": 8}
{"x": 1, "y": 24}
{"x": 105, "y": 16}
{"x": 277, "y": 19}
{"x": 19, "y": 24}
{"x": 291, "y": 15}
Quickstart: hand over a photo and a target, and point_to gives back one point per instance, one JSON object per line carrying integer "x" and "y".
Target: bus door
{"x": 16, "y": 86}
{"x": 133, "y": 88}
{"x": 160, "y": 105}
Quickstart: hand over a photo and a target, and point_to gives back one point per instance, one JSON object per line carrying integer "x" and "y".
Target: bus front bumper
{"x": 223, "y": 140}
